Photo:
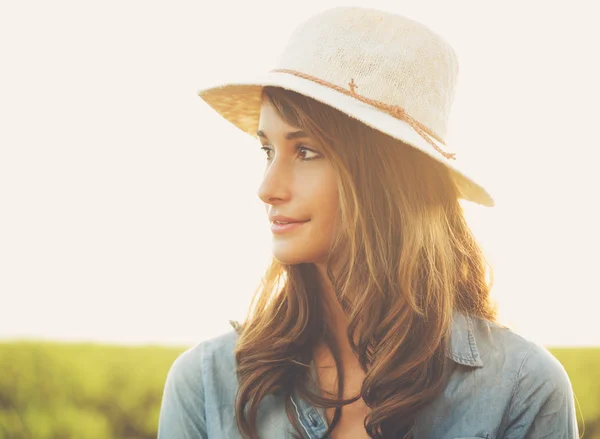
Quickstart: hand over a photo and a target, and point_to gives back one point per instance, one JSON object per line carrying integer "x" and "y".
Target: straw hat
{"x": 392, "y": 73}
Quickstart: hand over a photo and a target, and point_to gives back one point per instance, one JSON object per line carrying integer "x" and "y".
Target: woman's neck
{"x": 334, "y": 312}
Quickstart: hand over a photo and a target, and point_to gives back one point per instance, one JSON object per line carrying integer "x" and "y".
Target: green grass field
{"x": 87, "y": 391}
{"x": 583, "y": 367}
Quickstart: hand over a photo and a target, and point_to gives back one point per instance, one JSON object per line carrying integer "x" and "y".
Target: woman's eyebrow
{"x": 289, "y": 136}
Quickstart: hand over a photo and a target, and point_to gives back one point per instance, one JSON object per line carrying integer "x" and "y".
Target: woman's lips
{"x": 278, "y": 229}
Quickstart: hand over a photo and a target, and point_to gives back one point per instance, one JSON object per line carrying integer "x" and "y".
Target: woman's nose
{"x": 276, "y": 183}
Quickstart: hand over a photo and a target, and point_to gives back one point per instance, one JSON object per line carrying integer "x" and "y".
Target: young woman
{"x": 374, "y": 318}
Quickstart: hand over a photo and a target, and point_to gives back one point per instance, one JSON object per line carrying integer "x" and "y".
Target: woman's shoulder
{"x": 206, "y": 369}
{"x": 211, "y": 355}
{"x": 201, "y": 377}
{"x": 504, "y": 349}
{"x": 535, "y": 393}
{"x": 517, "y": 380}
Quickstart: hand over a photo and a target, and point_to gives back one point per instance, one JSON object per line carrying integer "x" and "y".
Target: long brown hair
{"x": 402, "y": 260}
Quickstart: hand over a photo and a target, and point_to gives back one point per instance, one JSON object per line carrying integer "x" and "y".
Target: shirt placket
{"x": 310, "y": 420}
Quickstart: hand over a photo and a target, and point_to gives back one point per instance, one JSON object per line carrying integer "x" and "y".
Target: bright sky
{"x": 128, "y": 210}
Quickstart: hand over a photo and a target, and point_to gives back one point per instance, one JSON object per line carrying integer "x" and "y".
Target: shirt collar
{"x": 463, "y": 346}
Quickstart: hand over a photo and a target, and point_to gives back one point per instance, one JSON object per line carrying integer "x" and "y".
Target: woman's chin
{"x": 288, "y": 259}
{"x": 289, "y": 255}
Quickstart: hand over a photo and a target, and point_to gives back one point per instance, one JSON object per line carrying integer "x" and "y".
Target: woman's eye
{"x": 268, "y": 151}
{"x": 304, "y": 153}
{"x": 308, "y": 154}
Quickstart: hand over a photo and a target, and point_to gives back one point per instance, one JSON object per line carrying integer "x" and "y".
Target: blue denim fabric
{"x": 502, "y": 386}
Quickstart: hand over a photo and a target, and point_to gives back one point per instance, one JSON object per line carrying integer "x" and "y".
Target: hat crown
{"x": 390, "y": 58}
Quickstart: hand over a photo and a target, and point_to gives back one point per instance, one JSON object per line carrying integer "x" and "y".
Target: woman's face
{"x": 299, "y": 185}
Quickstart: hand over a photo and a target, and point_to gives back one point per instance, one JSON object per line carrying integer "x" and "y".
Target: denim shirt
{"x": 503, "y": 386}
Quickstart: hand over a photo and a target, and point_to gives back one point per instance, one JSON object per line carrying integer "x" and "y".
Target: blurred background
{"x": 130, "y": 228}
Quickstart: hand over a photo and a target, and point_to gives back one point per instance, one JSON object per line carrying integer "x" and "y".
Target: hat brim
{"x": 240, "y": 104}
